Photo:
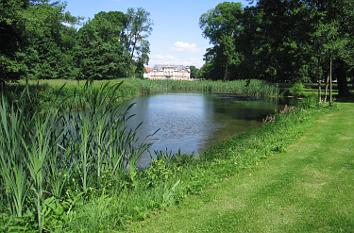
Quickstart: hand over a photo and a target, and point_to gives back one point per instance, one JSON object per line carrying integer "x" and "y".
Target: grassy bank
{"x": 169, "y": 181}
{"x": 307, "y": 187}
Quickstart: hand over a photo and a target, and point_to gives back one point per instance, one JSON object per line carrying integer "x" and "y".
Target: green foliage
{"x": 39, "y": 40}
{"x": 157, "y": 172}
{"x": 52, "y": 93}
{"x": 220, "y": 25}
{"x": 100, "y": 53}
{"x": 10, "y": 42}
{"x": 138, "y": 29}
{"x": 297, "y": 89}
{"x": 46, "y": 157}
{"x": 83, "y": 183}
{"x": 194, "y": 72}
{"x": 280, "y": 41}
{"x": 75, "y": 152}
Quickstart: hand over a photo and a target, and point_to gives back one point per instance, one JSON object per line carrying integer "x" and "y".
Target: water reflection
{"x": 192, "y": 122}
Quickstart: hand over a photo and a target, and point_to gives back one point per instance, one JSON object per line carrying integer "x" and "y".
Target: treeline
{"x": 39, "y": 39}
{"x": 281, "y": 40}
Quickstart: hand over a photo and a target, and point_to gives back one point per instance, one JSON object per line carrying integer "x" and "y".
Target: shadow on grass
{"x": 24, "y": 96}
{"x": 347, "y": 99}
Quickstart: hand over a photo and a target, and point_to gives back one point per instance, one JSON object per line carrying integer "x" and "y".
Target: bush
{"x": 297, "y": 89}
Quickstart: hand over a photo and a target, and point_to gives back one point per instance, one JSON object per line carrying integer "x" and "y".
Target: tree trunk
{"x": 331, "y": 82}
{"x": 2, "y": 85}
{"x": 319, "y": 83}
{"x": 340, "y": 72}
{"x": 326, "y": 91}
{"x": 226, "y": 74}
{"x": 134, "y": 46}
{"x": 319, "y": 91}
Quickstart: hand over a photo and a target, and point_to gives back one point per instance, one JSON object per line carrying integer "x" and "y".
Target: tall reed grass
{"x": 71, "y": 150}
{"x": 134, "y": 87}
{"x": 257, "y": 88}
{"x": 55, "y": 159}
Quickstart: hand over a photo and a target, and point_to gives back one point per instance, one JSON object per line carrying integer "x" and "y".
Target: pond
{"x": 193, "y": 122}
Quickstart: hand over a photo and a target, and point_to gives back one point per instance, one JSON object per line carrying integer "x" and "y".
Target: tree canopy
{"x": 40, "y": 39}
{"x": 287, "y": 40}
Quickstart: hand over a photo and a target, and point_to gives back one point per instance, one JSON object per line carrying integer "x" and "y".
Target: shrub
{"x": 297, "y": 89}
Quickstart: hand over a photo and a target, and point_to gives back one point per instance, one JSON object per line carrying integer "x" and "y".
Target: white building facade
{"x": 168, "y": 72}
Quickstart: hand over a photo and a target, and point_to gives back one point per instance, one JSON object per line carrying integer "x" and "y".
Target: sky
{"x": 176, "y": 38}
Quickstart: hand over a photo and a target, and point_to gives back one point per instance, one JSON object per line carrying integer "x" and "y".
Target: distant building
{"x": 172, "y": 72}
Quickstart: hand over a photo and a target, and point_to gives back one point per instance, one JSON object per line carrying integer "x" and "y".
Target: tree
{"x": 43, "y": 54}
{"x": 101, "y": 52}
{"x": 281, "y": 41}
{"x": 332, "y": 47}
{"x": 221, "y": 25}
{"x": 139, "y": 27}
{"x": 36, "y": 38}
{"x": 335, "y": 33}
{"x": 194, "y": 72}
{"x": 10, "y": 38}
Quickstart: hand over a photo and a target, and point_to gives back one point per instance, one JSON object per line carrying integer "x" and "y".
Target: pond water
{"x": 193, "y": 122}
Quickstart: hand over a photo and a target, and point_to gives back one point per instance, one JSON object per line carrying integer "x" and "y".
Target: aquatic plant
{"x": 53, "y": 93}
{"x": 71, "y": 149}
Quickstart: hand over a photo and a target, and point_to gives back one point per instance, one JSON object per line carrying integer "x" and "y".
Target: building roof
{"x": 147, "y": 70}
{"x": 174, "y": 67}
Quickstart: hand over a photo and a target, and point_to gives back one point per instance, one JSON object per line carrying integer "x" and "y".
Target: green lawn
{"x": 309, "y": 188}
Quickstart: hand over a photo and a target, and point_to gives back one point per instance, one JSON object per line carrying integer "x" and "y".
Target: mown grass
{"x": 306, "y": 188}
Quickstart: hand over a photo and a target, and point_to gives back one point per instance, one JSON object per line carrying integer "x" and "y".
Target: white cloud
{"x": 181, "y": 46}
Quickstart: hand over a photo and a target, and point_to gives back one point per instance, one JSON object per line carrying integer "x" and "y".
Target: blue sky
{"x": 176, "y": 36}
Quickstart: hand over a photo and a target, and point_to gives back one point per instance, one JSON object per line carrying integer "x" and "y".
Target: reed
{"x": 52, "y": 89}
{"x": 78, "y": 147}
{"x": 70, "y": 149}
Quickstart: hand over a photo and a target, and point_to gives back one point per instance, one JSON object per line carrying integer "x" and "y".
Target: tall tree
{"x": 11, "y": 38}
{"x": 287, "y": 40}
{"x": 101, "y": 53}
{"x": 139, "y": 27}
{"x": 334, "y": 31}
{"x": 221, "y": 25}
{"x": 44, "y": 54}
